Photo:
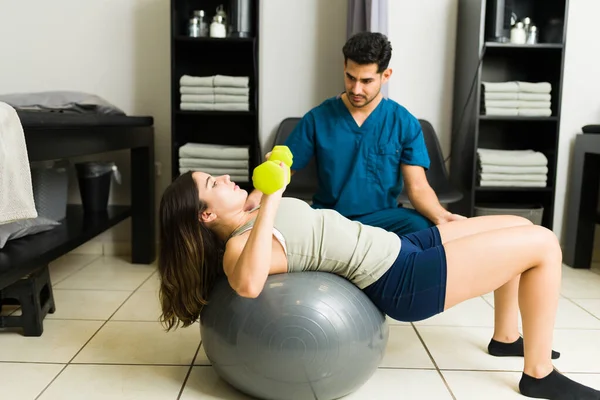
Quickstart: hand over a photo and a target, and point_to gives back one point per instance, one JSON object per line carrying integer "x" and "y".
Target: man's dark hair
{"x": 369, "y": 48}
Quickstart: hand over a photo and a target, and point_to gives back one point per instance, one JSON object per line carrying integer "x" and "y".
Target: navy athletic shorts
{"x": 414, "y": 288}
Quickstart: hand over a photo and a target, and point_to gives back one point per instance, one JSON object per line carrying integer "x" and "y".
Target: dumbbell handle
{"x": 282, "y": 153}
{"x": 269, "y": 176}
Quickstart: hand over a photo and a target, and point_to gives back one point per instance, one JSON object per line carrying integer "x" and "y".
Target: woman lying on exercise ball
{"x": 205, "y": 231}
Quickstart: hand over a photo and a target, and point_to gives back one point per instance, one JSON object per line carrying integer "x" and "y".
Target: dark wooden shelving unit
{"x": 481, "y": 59}
{"x": 206, "y": 56}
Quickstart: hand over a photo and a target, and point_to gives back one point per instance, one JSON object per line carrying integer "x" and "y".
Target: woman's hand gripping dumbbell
{"x": 271, "y": 175}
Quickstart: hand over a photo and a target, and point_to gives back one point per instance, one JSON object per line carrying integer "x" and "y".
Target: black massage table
{"x": 51, "y": 136}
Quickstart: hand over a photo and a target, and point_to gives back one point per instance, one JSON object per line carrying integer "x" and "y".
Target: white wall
{"x": 300, "y": 55}
{"x": 116, "y": 49}
{"x": 120, "y": 51}
{"x": 423, "y": 38}
{"x": 423, "y": 35}
{"x": 581, "y": 87}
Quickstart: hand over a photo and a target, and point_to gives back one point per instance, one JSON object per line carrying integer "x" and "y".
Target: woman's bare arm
{"x": 247, "y": 262}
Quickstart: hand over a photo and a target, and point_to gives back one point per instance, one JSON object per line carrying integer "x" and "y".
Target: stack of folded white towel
{"x": 529, "y": 99}
{"x": 216, "y": 160}
{"x": 524, "y": 168}
{"x": 216, "y": 92}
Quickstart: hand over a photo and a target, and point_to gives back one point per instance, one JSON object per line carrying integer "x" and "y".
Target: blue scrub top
{"x": 358, "y": 167}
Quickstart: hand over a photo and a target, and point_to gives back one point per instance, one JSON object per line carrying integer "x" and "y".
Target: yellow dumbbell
{"x": 282, "y": 153}
{"x": 269, "y": 177}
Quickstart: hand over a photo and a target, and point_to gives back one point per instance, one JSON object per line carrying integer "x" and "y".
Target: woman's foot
{"x": 555, "y": 386}
{"x": 514, "y": 349}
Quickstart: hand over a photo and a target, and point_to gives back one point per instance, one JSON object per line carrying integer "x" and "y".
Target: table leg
{"x": 582, "y": 207}
{"x": 143, "y": 249}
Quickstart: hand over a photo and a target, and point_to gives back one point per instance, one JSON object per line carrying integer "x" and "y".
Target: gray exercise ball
{"x": 309, "y": 335}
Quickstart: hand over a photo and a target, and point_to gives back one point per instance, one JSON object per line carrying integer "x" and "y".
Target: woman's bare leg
{"x": 483, "y": 262}
{"x": 480, "y": 263}
{"x": 506, "y": 301}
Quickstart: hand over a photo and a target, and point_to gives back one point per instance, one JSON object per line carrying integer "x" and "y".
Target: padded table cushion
{"x": 43, "y": 119}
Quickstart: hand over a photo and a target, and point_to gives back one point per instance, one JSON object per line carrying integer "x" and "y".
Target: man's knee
{"x": 411, "y": 221}
{"x": 417, "y": 222}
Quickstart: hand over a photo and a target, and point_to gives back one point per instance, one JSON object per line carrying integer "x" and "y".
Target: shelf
{"x": 209, "y": 56}
{"x": 516, "y": 118}
{"x": 512, "y": 189}
{"x": 183, "y": 38}
{"x": 29, "y": 252}
{"x": 216, "y": 113}
{"x": 537, "y": 46}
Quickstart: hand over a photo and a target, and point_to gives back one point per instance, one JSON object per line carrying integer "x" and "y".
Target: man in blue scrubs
{"x": 367, "y": 147}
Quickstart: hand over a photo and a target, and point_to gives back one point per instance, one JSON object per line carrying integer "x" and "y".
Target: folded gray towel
{"x": 512, "y": 177}
{"x": 511, "y": 157}
{"x": 238, "y": 91}
{"x": 188, "y": 80}
{"x": 501, "y": 95}
{"x": 517, "y": 86}
{"x": 197, "y": 106}
{"x": 514, "y": 183}
{"x": 215, "y": 106}
{"x": 197, "y": 98}
{"x": 534, "y": 104}
{"x": 214, "y": 151}
{"x": 232, "y": 107}
{"x": 535, "y": 96}
{"x": 213, "y": 163}
{"x": 499, "y": 111}
{"x": 501, "y": 104}
{"x": 501, "y": 86}
{"x": 535, "y": 112}
{"x": 196, "y": 90}
{"x": 235, "y": 178}
{"x": 534, "y": 87}
{"x": 231, "y": 81}
{"x": 230, "y": 98}
{"x": 513, "y": 170}
{"x": 219, "y": 171}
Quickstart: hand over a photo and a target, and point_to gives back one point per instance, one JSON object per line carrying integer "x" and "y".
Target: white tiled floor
{"x": 104, "y": 342}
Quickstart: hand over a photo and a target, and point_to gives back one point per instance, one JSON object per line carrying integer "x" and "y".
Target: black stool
{"x": 34, "y": 294}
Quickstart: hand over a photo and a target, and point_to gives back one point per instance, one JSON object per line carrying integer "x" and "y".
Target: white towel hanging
{"x": 16, "y": 191}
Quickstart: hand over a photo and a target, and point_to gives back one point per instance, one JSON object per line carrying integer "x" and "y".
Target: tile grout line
{"x": 185, "y": 380}
{"x": 90, "y": 339}
{"x": 54, "y": 289}
{"x": 111, "y": 364}
{"x": 51, "y": 381}
{"x": 487, "y": 302}
{"x": 85, "y": 265}
{"x": 437, "y": 368}
{"x": 578, "y": 305}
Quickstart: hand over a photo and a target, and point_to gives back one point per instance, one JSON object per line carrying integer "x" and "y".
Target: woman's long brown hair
{"x": 190, "y": 254}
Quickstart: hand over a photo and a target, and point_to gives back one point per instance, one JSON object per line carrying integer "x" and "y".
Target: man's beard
{"x": 367, "y": 100}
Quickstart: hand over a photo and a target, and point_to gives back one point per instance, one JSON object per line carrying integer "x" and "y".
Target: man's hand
{"x": 449, "y": 217}
{"x": 423, "y": 198}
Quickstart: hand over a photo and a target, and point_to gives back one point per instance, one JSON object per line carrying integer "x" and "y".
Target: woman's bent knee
{"x": 521, "y": 221}
{"x": 548, "y": 242}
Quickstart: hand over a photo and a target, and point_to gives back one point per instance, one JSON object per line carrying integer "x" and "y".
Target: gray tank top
{"x": 323, "y": 240}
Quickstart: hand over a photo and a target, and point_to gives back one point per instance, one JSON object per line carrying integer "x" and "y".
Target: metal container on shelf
{"x": 241, "y": 18}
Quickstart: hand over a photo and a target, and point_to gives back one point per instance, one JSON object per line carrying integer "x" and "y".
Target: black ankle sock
{"x": 555, "y": 386}
{"x": 513, "y": 349}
